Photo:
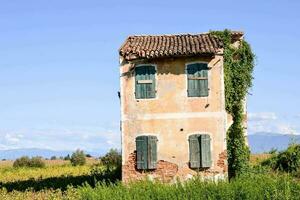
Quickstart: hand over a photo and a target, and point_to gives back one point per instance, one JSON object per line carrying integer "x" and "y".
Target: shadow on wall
{"x": 166, "y": 64}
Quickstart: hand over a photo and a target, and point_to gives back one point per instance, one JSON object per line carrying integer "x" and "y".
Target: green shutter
{"x": 203, "y": 73}
{"x": 197, "y": 74}
{"x": 141, "y": 152}
{"x": 138, "y": 87}
{"x": 146, "y": 152}
{"x": 145, "y": 90}
{"x": 194, "y": 148}
{"x": 152, "y": 150}
{"x": 205, "y": 151}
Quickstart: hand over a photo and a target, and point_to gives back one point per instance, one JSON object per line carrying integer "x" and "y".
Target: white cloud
{"x": 88, "y": 139}
{"x": 262, "y": 116}
{"x": 12, "y": 138}
{"x": 287, "y": 129}
{"x": 269, "y": 122}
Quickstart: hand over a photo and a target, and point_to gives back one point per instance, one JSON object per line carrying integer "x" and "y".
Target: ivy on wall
{"x": 238, "y": 67}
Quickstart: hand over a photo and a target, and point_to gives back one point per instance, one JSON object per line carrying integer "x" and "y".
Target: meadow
{"x": 60, "y": 180}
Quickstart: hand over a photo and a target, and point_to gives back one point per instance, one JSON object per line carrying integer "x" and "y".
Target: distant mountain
{"x": 264, "y": 142}
{"x": 259, "y": 143}
{"x": 12, "y": 154}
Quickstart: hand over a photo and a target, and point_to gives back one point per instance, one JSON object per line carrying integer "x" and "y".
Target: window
{"x": 197, "y": 78}
{"x": 146, "y": 152}
{"x": 145, "y": 82}
{"x": 200, "y": 154}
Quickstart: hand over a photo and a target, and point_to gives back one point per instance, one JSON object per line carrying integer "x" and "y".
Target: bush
{"x": 25, "y": 161}
{"x": 109, "y": 169}
{"x": 53, "y": 158}
{"x": 112, "y": 158}
{"x": 88, "y": 155}
{"x": 67, "y": 157}
{"x": 78, "y": 158}
{"x": 106, "y": 173}
{"x": 287, "y": 161}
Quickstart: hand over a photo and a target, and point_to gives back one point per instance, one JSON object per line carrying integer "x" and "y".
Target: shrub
{"x": 106, "y": 173}
{"x": 78, "y": 158}
{"x": 88, "y": 155}
{"x": 109, "y": 170}
{"x": 112, "y": 158}
{"x": 67, "y": 157}
{"x": 25, "y": 161}
{"x": 288, "y": 160}
{"x": 53, "y": 158}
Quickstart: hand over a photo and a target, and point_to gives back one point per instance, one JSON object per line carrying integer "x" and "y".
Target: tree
{"x": 53, "y": 158}
{"x": 78, "y": 158}
{"x": 112, "y": 158}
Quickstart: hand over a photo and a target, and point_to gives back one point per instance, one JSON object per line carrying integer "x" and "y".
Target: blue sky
{"x": 59, "y": 74}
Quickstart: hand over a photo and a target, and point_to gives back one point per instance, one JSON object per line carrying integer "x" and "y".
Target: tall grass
{"x": 252, "y": 187}
{"x": 67, "y": 182}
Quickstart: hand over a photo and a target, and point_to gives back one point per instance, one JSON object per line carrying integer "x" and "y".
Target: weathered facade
{"x": 173, "y": 118}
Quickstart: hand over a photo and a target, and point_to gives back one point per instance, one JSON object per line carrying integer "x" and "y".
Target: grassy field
{"x": 257, "y": 158}
{"x": 50, "y": 182}
{"x": 60, "y": 180}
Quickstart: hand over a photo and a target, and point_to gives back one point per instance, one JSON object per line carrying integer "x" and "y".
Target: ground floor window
{"x": 146, "y": 152}
{"x": 200, "y": 151}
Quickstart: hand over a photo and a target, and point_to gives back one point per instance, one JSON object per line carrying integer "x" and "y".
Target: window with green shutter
{"x": 200, "y": 153}
{"x": 197, "y": 78}
{"x": 145, "y": 82}
{"x": 146, "y": 152}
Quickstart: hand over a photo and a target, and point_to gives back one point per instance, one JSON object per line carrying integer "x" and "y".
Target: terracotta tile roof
{"x": 149, "y": 46}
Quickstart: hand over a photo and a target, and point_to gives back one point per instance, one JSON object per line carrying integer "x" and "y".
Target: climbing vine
{"x": 238, "y": 67}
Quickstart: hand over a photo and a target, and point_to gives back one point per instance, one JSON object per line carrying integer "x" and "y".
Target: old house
{"x": 173, "y": 118}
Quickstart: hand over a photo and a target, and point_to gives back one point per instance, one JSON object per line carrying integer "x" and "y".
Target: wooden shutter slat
{"x": 141, "y": 152}
{"x": 194, "y": 148}
{"x": 152, "y": 149}
{"x": 205, "y": 151}
{"x": 145, "y": 81}
{"x": 198, "y": 78}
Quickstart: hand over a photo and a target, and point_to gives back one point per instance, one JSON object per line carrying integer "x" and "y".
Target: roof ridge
{"x": 235, "y": 32}
{"x": 177, "y": 34}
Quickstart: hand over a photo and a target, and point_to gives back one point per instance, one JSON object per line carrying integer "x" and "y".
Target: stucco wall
{"x": 172, "y": 117}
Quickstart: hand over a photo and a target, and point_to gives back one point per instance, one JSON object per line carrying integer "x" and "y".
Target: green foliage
{"x": 88, "y": 155}
{"x": 78, "y": 158}
{"x": 273, "y": 151}
{"x": 250, "y": 187}
{"x": 25, "y": 161}
{"x": 53, "y": 158}
{"x": 287, "y": 161}
{"x": 112, "y": 158}
{"x": 238, "y": 68}
{"x": 106, "y": 173}
{"x": 67, "y": 157}
{"x": 109, "y": 170}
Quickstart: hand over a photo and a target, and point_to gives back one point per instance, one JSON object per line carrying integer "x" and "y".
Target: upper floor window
{"x": 197, "y": 78}
{"x": 146, "y": 152}
{"x": 145, "y": 82}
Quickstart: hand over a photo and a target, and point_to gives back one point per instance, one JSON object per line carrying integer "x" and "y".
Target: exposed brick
{"x": 165, "y": 171}
{"x": 222, "y": 161}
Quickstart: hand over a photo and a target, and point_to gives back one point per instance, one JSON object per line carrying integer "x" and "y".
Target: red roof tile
{"x": 141, "y": 47}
